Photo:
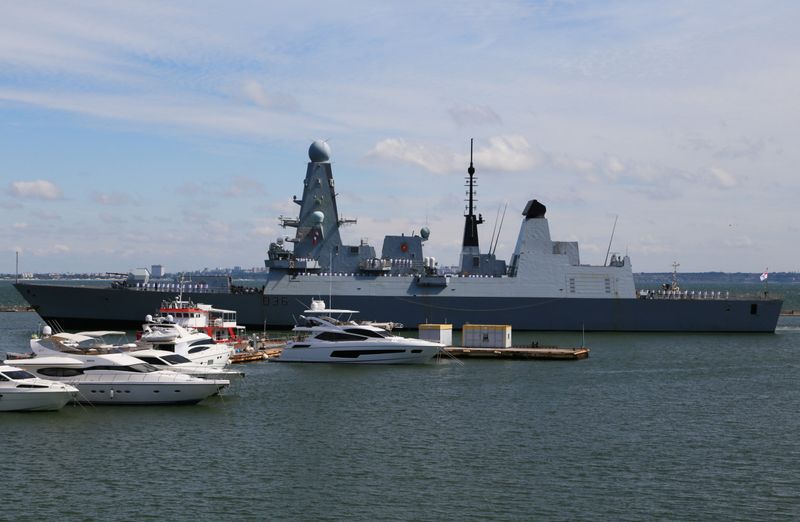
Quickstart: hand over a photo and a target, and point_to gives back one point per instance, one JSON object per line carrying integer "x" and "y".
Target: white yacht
{"x": 329, "y": 336}
{"x": 163, "y": 333}
{"x": 21, "y": 391}
{"x": 164, "y": 360}
{"x": 113, "y": 378}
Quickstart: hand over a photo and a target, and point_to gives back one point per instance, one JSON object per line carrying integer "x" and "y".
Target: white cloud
{"x": 722, "y": 178}
{"x": 256, "y": 93}
{"x": 510, "y": 153}
{"x": 39, "y": 189}
{"x": 113, "y": 198}
{"x": 738, "y": 242}
{"x": 429, "y": 157}
{"x": 574, "y": 164}
{"x": 468, "y": 114}
{"x": 243, "y": 186}
{"x": 614, "y": 166}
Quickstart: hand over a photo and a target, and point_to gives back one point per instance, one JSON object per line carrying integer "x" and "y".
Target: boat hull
{"x": 359, "y": 353}
{"x": 35, "y": 399}
{"x": 81, "y": 307}
{"x": 132, "y": 393}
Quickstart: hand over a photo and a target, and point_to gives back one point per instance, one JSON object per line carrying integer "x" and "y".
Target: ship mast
{"x": 471, "y": 222}
{"x": 470, "y": 250}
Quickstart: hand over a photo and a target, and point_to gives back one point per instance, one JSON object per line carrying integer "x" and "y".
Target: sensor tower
{"x": 470, "y": 248}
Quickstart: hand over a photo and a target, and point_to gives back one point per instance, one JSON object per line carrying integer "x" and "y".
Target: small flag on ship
{"x": 765, "y": 275}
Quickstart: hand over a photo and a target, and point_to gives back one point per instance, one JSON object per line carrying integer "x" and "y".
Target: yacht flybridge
{"x": 163, "y": 333}
{"x": 330, "y": 336}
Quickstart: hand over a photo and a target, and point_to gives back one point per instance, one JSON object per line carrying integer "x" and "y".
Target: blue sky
{"x": 176, "y": 133}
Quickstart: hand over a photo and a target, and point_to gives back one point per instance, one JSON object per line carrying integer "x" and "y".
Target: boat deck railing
{"x": 698, "y": 295}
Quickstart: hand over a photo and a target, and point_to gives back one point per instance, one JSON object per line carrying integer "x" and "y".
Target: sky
{"x": 176, "y": 133}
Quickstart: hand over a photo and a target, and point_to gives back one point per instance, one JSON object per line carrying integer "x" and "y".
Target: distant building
{"x": 157, "y": 271}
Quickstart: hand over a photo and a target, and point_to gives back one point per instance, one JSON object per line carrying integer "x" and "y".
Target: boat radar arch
{"x": 319, "y": 152}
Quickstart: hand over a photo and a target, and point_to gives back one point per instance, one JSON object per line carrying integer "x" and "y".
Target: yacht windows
{"x": 198, "y": 349}
{"x": 136, "y": 368}
{"x": 176, "y": 359}
{"x": 149, "y": 360}
{"x": 354, "y": 354}
{"x": 365, "y": 332}
{"x": 59, "y": 372}
{"x": 3, "y": 377}
{"x": 339, "y": 336}
{"x": 17, "y": 375}
{"x": 166, "y": 347}
{"x": 201, "y": 341}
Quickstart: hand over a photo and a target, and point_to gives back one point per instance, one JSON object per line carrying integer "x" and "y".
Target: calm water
{"x": 682, "y": 427}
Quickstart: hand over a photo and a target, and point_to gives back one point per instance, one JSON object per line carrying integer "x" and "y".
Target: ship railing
{"x": 684, "y": 294}
{"x": 196, "y": 288}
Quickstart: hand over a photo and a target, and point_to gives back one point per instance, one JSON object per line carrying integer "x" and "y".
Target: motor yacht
{"x": 330, "y": 336}
{"x": 163, "y": 333}
{"x": 113, "y": 378}
{"x": 164, "y": 360}
{"x": 22, "y": 391}
{"x": 217, "y": 323}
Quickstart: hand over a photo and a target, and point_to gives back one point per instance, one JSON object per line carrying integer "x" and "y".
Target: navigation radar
{"x": 319, "y": 152}
{"x": 425, "y": 232}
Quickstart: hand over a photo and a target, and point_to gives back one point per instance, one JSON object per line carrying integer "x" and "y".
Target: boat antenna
{"x": 497, "y": 239}
{"x": 494, "y": 229}
{"x": 616, "y": 216}
{"x": 16, "y": 270}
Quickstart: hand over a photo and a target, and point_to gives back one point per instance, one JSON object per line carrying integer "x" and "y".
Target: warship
{"x": 543, "y": 287}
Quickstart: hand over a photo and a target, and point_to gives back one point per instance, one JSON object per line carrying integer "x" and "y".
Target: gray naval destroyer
{"x": 544, "y": 286}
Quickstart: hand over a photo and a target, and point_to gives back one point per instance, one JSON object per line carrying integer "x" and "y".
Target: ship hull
{"x": 79, "y": 307}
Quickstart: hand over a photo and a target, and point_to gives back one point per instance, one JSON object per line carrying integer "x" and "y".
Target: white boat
{"x": 163, "y": 333}
{"x": 113, "y": 378}
{"x": 22, "y": 391}
{"x": 164, "y": 360}
{"x": 329, "y": 336}
{"x": 217, "y": 323}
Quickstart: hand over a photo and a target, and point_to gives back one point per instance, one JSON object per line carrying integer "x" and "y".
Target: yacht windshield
{"x": 176, "y": 359}
{"x": 18, "y": 375}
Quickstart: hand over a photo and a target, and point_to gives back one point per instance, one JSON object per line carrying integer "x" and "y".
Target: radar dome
{"x": 317, "y": 217}
{"x": 47, "y": 331}
{"x": 319, "y": 152}
{"x": 425, "y": 232}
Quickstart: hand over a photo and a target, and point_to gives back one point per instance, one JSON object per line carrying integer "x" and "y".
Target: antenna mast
{"x": 471, "y": 222}
{"x": 605, "y": 263}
